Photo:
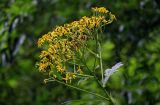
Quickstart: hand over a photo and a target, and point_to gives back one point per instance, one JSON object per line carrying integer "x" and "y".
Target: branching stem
{"x": 98, "y": 95}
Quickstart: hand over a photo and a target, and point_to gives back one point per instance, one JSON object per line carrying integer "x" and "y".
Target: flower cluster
{"x": 100, "y": 10}
{"x": 61, "y": 45}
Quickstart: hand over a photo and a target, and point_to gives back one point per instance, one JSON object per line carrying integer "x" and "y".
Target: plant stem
{"x": 74, "y": 65}
{"x": 100, "y": 59}
{"x": 98, "y": 95}
{"x": 100, "y": 54}
{"x": 99, "y": 51}
{"x": 99, "y": 83}
{"x": 84, "y": 75}
{"x": 96, "y": 55}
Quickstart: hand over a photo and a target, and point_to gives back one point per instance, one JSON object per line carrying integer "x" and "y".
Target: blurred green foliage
{"x": 133, "y": 39}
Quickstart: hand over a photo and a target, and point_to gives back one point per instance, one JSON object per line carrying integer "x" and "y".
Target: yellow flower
{"x": 60, "y": 68}
{"x": 69, "y": 77}
{"x": 100, "y": 10}
{"x": 43, "y": 54}
{"x": 42, "y": 66}
{"x": 61, "y": 45}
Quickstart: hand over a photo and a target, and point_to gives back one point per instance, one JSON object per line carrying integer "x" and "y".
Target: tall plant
{"x": 65, "y": 51}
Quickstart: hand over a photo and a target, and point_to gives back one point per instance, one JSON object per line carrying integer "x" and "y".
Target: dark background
{"x": 133, "y": 39}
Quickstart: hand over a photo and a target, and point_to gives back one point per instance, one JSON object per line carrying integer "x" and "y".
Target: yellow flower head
{"x": 69, "y": 76}
{"x": 43, "y": 66}
{"x": 100, "y": 10}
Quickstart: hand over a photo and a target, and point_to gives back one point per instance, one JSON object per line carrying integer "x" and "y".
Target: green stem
{"x": 98, "y": 46}
{"x": 99, "y": 83}
{"x": 100, "y": 54}
{"x": 96, "y": 55}
{"x": 98, "y": 95}
{"x": 84, "y": 75}
{"x": 100, "y": 59}
{"x": 74, "y": 65}
{"x": 99, "y": 51}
